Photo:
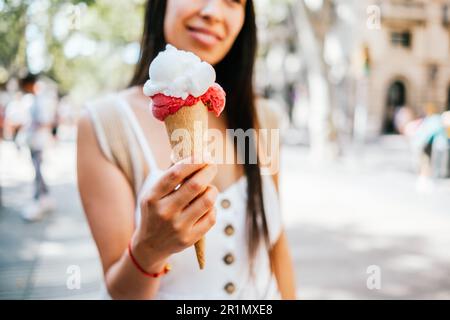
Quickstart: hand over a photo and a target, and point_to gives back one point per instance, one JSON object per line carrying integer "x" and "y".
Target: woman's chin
{"x": 211, "y": 59}
{"x": 208, "y": 54}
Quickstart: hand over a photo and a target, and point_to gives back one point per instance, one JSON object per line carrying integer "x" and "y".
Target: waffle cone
{"x": 187, "y": 129}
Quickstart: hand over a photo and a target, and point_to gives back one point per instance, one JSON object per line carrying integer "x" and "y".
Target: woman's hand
{"x": 173, "y": 220}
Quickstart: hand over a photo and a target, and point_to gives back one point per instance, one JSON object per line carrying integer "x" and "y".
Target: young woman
{"x": 235, "y": 207}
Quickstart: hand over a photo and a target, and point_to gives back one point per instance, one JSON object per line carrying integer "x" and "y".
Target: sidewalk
{"x": 363, "y": 210}
{"x": 34, "y": 258}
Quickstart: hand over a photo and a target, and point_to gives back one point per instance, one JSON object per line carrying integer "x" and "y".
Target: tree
{"x": 12, "y": 37}
{"x": 84, "y": 45}
{"x": 312, "y": 28}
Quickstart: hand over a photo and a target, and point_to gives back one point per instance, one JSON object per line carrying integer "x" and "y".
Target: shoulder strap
{"x": 118, "y": 142}
{"x": 138, "y": 132}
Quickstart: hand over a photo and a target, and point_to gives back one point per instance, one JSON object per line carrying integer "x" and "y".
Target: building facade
{"x": 408, "y": 58}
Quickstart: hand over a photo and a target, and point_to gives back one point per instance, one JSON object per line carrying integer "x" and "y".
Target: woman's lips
{"x": 204, "y": 36}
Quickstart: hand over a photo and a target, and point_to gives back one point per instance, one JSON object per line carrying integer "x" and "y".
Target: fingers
{"x": 173, "y": 177}
{"x": 205, "y": 223}
{"x": 191, "y": 188}
{"x": 199, "y": 207}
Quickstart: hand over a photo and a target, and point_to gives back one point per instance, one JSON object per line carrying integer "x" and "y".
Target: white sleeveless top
{"x": 227, "y": 268}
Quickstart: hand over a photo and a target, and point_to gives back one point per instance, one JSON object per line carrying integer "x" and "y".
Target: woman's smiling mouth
{"x": 204, "y": 36}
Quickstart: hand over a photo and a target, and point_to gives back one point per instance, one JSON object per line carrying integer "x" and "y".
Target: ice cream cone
{"x": 183, "y": 90}
{"x": 187, "y": 129}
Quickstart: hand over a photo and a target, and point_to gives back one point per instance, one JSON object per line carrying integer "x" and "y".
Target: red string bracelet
{"x": 145, "y": 273}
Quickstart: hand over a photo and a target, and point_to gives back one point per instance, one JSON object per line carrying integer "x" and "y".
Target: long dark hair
{"x": 235, "y": 75}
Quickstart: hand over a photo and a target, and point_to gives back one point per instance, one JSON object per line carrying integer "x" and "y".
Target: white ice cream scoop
{"x": 177, "y": 73}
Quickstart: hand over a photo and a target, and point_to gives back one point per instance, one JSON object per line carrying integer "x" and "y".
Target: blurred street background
{"x": 362, "y": 89}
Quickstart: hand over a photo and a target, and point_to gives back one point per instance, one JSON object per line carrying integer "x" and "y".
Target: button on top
{"x": 228, "y": 259}
{"x": 230, "y": 287}
{"x": 229, "y": 230}
{"x": 225, "y": 203}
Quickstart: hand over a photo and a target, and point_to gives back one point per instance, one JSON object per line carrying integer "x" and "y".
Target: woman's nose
{"x": 212, "y": 10}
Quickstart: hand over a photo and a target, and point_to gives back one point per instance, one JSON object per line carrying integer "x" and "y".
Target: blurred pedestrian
{"x": 440, "y": 155}
{"x": 37, "y": 131}
{"x": 429, "y": 129}
{"x": 402, "y": 118}
{"x": 16, "y": 117}
{"x": 57, "y": 117}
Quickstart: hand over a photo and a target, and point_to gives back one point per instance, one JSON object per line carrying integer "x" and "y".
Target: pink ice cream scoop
{"x": 213, "y": 99}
